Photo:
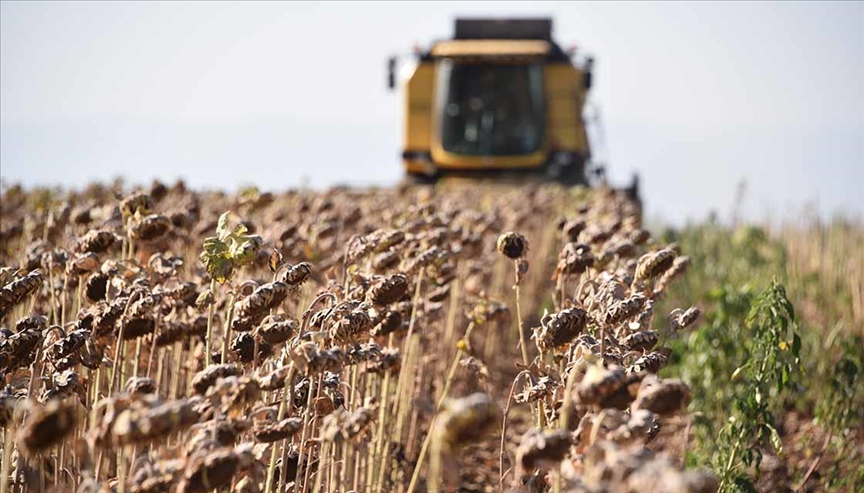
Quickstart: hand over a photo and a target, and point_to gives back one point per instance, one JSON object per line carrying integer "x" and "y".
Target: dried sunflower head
{"x": 625, "y": 309}
{"x": 234, "y": 394}
{"x": 342, "y": 425}
{"x": 512, "y": 245}
{"x": 544, "y": 388}
{"x": 542, "y": 449}
{"x": 466, "y": 420}
{"x": 574, "y": 258}
{"x": 559, "y": 329}
{"x": 388, "y": 290}
{"x": 390, "y": 322}
{"x": 96, "y": 287}
{"x": 640, "y": 427}
{"x": 213, "y": 469}
{"x": 33, "y": 322}
{"x": 640, "y": 341}
{"x": 572, "y": 227}
{"x": 207, "y": 377}
{"x": 19, "y": 350}
{"x": 244, "y": 348}
{"x": 139, "y": 424}
{"x": 272, "y": 431}
{"x": 82, "y": 264}
{"x": 138, "y": 202}
{"x": 679, "y": 266}
{"x": 224, "y": 432}
{"x": 96, "y": 241}
{"x": 16, "y": 291}
{"x": 389, "y": 360}
{"x": 151, "y": 227}
{"x": 65, "y": 383}
{"x": 686, "y": 318}
{"x": 46, "y": 426}
{"x": 599, "y": 383}
{"x": 654, "y": 264}
{"x": 651, "y": 362}
{"x": 296, "y": 275}
{"x": 664, "y": 397}
{"x": 140, "y": 385}
{"x": 349, "y": 322}
{"x": 276, "y": 329}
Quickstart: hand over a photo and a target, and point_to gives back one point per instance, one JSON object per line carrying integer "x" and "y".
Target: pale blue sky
{"x": 695, "y": 96}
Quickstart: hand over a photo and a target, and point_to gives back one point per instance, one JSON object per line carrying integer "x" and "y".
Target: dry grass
{"x": 825, "y": 268}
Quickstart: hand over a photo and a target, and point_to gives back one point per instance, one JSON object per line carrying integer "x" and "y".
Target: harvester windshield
{"x": 491, "y": 109}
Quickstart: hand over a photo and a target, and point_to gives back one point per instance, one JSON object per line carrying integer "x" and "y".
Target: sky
{"x": 695, "y": 97}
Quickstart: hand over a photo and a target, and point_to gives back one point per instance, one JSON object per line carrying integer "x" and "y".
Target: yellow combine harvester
{"x": 501, "y": 96}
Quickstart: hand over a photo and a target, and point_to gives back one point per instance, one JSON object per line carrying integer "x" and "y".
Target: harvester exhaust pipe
{"x": 391, "y": 73}
{"x": 633, "y": 190}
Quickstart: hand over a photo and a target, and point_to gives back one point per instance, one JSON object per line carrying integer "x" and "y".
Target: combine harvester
{"x": 500, "y": 99}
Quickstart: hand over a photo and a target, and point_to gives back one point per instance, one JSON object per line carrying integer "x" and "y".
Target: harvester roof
{"x": 539, "y": 28}
{"x": 500, "y": 39}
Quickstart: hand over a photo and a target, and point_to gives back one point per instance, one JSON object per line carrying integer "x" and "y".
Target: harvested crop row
{"x": 337, "y": 341}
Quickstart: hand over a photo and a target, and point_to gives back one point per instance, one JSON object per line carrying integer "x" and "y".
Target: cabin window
{"x": 490, "y": 109}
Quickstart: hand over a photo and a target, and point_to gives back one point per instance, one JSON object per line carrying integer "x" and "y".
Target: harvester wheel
{"x": 419, "y": 179}
{"x": 571, "y": 175}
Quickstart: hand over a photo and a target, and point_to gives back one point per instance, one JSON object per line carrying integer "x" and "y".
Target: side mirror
{"x": 589, "y": 73}
{"x": 391, "y": 73}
